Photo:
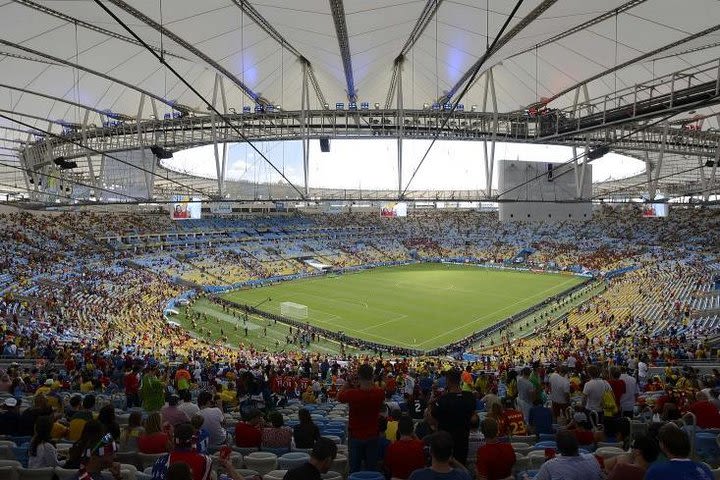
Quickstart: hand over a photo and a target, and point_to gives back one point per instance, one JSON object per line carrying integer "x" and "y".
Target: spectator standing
{"x": 541, "y": 419}
{"x": 453, "y": 411}
{"x": 559, "y": 391}
{"x": 152, "y": 390}
{"x": 526, "y": 392}
{"x": 593, "y": 392}
{"x": 365, "y": 401}
{"x": 131, "y": 382}
{"x": 629, "y": 397}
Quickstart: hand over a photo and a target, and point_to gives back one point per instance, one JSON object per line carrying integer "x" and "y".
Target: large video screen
{"x": 395, "y": 209}
{"x": 652, "y": 210}
{"x": 184, "y": 207}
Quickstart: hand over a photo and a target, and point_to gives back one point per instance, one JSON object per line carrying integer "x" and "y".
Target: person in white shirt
{"x": 593, "y": 392}
{"x": 627, "y": 399}
{"x": 187, "y": 405}
{"x": 642, "y": 373}
{"x": 213, "y": 419}
{"x": 559, "y": 391}
{"x": 42, "y": 453}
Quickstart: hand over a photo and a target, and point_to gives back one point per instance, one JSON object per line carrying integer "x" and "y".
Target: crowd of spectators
{"x": 110, "y": 375}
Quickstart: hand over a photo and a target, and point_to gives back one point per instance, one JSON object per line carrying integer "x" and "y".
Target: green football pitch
{"x": 420, "y": 306}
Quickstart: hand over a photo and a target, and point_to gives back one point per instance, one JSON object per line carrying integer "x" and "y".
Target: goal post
{"x": 296, "y": 311}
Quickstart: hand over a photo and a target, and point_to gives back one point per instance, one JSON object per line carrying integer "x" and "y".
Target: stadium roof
{"x": 72, "y": 62}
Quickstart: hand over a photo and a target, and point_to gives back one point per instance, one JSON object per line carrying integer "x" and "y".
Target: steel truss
{"x": 623, "y": 121}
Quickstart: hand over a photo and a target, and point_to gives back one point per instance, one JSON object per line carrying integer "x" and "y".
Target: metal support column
{"x": 712, "y": 181}
{"x": 490, "y": 160}
{"x": 214, "y": 128}
{"x": 652, "y": 190}
{"x": 88, "y": 157}
{"x": 27, "y": 176}
{"x": 148, "y": 176}
{"x": 305, "y": 106}
{"x": 400, "y": 124}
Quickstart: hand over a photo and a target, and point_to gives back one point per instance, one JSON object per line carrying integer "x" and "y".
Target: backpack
{"x": 610, "y": 408}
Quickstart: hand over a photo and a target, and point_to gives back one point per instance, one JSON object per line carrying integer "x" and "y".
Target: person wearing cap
{"x": 570, "y": 464}
{"x": 321, "y": 459}
{"x": 10, "y": 418}
{"x": 45, "y": 388}
{"x": 183, "y": 452}
{"x": 171, "y": 413}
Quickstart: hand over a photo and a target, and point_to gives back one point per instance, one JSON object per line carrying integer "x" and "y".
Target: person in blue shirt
{"x": 675, "y": 444}
{"x": 443, "y": 465}
{"x": 540, "y": 418}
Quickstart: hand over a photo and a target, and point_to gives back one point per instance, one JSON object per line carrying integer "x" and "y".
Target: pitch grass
{"x": 421, "y": 306}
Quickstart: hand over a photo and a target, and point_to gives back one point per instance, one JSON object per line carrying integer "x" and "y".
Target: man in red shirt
{"x": 248, "y": 433}
{"x": 365, "y": 401}
{"x": 494, "y": 460}
{"x": 132, "y": 387}
{"x": 617, "y": 385}
{"x": 706, "y": 413}
{"x": 407, "y": 454}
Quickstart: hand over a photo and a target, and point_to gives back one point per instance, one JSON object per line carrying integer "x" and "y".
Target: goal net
{"x": 294, "y": 310}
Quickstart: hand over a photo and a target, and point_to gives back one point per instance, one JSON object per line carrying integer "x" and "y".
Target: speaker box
{"x": 325, "y": 145}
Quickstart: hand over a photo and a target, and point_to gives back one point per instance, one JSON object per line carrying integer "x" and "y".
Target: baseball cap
{"x": 10, "y": 402}
{"x": 49, "y": 382}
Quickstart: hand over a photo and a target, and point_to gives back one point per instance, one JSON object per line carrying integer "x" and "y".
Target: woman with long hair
{"x": 42, "y": 451}
{"x": 154, "y": 440}
{"x": 106, "y": 416}
{"x": 91, "y": 434}
{"x": 131, "y": 433}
